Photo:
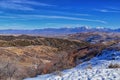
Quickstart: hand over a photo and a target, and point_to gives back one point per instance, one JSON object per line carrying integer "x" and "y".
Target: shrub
{"x": 58, "y": 73}
{"x": 114, "y": 65}
{"x": 89, "y": 65}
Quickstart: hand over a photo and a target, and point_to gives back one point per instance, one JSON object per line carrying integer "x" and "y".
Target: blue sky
{"x": 35, "y": 14}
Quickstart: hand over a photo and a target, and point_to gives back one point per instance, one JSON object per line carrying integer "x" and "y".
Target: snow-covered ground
{"x": 95, "y": 69}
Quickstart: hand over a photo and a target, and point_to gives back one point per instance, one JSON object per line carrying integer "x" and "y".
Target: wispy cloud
{"x": 108, "y": 10}
{"x": 21, "y": 4}
{"x": 70, "y": 13}
{"x": 114, "y": 8}
{"x": 71, "y": 18}
{"x": 32, "y": 17}
{"x": 30, "y": 2}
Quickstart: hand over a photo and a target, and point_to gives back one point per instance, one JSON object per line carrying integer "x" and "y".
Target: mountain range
{"x": 58, "y": 31}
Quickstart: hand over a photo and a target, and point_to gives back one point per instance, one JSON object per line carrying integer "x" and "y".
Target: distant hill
{"x": 57, "y": 31}
{"x": 94, "y": 37}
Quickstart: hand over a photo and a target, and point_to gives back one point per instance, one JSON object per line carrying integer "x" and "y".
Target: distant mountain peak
{"x": 100, "y": 27}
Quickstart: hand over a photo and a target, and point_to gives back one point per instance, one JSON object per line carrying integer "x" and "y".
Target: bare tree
{"x": 37, "y": 64}
{"x": 10, "y": 69}
{"x": 7, "y": 70}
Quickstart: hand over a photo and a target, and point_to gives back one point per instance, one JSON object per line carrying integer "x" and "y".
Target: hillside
{"x": 105, "y": 66}
{"x": 26, "y": 56}
{"x": 24, "y": 40}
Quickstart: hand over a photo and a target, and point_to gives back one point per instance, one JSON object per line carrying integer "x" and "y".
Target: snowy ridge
{"x": 95, "y": 69}
{"x": 103, "y": 61}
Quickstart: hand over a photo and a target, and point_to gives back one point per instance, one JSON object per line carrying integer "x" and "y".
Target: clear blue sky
{"x": 35, "y": 14}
